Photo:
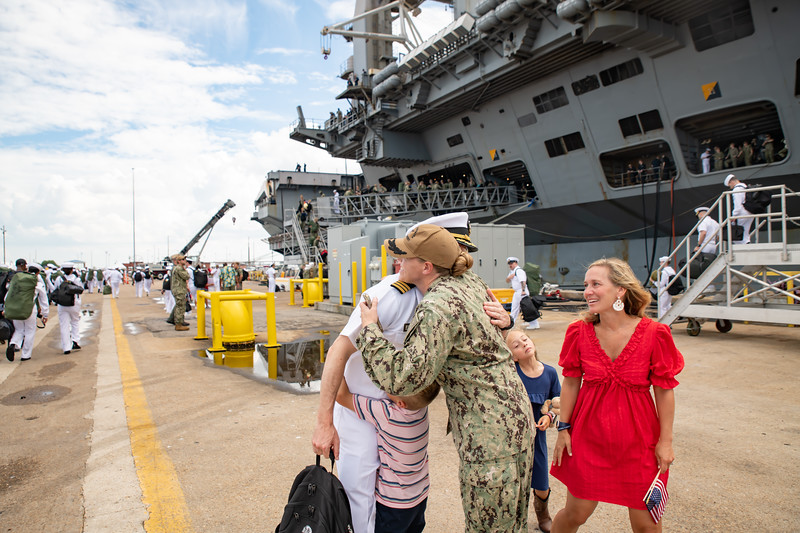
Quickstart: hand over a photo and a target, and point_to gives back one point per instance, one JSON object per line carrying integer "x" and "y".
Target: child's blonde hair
{"x": 520, "y": 332}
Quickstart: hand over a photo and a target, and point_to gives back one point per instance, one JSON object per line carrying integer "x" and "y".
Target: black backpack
{"x": 64, "y": 294}
{"x": 5, "y": 279}
{"x": 147, "y": 275}
{"x": 6, "y": 329}
{"x": 245, "y": 275}
{"x": 757, "y": 202}
{"x": 137, "y": 276}
{"x": 676, "y": 288}
{"x": 165, "y": 283}
{"x": 200, "y": 279}
{"x": 317, "y": 502}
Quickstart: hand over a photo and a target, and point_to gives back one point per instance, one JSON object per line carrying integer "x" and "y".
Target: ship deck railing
{"x": 754, "y": 282}
{"x": 400, "y": 204}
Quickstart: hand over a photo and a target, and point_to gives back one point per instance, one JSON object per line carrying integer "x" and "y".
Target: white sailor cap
{"x": 663, "y": 259}
{"x": 37, "y": 266}
{"x": 700, "y": 210}
{"x": 67, "y": 264}
{"x": 512, "y": 259}
{"x": 728, "y": 179}
{"x": 456, "y": 223}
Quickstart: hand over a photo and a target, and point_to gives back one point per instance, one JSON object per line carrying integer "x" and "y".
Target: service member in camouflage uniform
{"x": 180, "y": 290}
{"x": 452, "y": 341}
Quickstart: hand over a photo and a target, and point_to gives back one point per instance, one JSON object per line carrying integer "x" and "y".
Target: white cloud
{"x": 287, "y": 7}
{"x": 338, "y": 10}
{"x": 284, "y": 51}
{"x": 280, "y": 76}
{"x": 89, "y": 67}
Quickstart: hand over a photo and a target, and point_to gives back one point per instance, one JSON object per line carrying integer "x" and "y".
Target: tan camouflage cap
{"x": 427, "y": 242}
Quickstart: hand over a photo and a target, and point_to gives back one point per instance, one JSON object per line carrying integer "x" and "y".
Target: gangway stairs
{"x": 752, "y": 282}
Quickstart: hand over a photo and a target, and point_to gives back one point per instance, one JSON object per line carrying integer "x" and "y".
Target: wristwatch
{"x": 508, "y": 327}
{"x": 563, "y": 425}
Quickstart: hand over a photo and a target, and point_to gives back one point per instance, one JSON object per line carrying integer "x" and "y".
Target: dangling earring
{"x": 618, "y": 305}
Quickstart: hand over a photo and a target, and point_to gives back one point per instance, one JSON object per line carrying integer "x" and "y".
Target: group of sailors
{"x": 756, "y": 151}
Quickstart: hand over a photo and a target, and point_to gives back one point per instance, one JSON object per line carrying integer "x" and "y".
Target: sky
{"x": 158, "y": 111}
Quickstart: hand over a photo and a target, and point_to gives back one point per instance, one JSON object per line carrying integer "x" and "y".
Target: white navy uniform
{"x": 69, "y": 317}
{"x": 139, "y": 285}
{"x": 664, "y": 298}
{"x": 25, "y": 330}
{"x": 358, "y": 451}
{"x": 148, "y": 282}
{"x": 114, "y": 278}
{"x": 214, "y": 286}
{"x": 710, "y": 226}
{"x": 271, "y": 278}
{"x": 739, "y": 191}
{"x": 516, "y": 283}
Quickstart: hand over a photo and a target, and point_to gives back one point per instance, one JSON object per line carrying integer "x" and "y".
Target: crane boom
{"x": 208, "y": 227}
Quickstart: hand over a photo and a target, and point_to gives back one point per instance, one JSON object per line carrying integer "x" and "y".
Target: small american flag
{"x": 656, "y": 498}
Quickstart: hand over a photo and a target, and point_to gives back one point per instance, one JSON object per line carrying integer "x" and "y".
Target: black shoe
{"x": 10, "y": 352}
{"x": 75, "y": 346}
{"x": 66, "y": 352}
{"x": 170, "y": 322}
{"x": 185, "y": 324}
{"x": 24, "y": 359}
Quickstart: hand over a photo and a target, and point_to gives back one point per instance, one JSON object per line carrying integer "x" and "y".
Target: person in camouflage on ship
{"x": 451, "y": 340}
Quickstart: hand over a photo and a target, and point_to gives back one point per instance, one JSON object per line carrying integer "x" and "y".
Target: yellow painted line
{"x": 161, "y": 490}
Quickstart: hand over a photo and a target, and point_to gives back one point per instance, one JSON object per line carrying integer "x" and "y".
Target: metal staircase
{"x": 752, "y": 282}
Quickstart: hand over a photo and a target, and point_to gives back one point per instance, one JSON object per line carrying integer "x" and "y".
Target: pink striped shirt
{"x": 402, "y": 448}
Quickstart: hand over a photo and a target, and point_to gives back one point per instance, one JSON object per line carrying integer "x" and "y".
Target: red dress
{"x": 615, "y": 426}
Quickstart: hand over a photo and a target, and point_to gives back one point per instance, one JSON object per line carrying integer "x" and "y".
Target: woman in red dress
{"x": 613, "y": 438}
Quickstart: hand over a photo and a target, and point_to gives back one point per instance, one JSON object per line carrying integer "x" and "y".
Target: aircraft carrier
{"x": 590, "y": 116}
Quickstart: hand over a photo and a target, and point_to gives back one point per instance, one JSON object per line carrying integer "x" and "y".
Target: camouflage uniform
{"x": 450, "y": 340}
{"x": 179, "y": 290}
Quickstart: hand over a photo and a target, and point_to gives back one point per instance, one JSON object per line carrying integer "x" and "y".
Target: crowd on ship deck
{"x": 758, "y": 150}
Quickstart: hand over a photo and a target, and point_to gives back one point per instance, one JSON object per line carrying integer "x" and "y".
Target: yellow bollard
{"x": 201, "y": 315}
{"x": 322, "y": 345}
{"x": 355, "y": 282}
{"x": 272, "y": 363}
{"x": 383, "y": 261}
{"x": 291, "y": 292}
{"x": 363, "y": 268}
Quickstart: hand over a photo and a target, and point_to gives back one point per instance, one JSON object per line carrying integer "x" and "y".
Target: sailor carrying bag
{"x": 20, "y": 297}
{"x": 65, "y": 293}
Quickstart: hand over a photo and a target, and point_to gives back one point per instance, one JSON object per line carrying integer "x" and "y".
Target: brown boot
{"x": 181, "y": 327}
{"x": 542, "y": 514}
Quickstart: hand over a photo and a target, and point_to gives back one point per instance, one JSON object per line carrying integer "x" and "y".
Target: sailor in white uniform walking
{"x": 114, "y": 278}
{"x": 69, "y": 317}
{"x": 271, "y": 277}
{"x": 664, "y": 297}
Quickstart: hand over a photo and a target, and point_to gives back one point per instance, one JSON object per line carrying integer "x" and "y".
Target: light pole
{"x": 133, "y": 205}
{"x": 4, "y": 244}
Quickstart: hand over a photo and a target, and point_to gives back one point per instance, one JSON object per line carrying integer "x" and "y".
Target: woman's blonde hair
{"x": 636, "y": 297}
{"x": 462, "y": 263}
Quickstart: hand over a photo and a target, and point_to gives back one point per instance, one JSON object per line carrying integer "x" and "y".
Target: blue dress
{"x": 539, "y": 389}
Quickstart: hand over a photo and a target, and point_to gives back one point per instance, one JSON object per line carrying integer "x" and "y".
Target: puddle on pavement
{"x": 296, "y": 364}
{"x": 43, "y": 394}
{"x": 132, "y": 328}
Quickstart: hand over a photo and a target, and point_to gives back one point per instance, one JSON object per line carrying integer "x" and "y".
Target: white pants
{"x": 169, "y": 301}
{"x": 24, "y": 333}
{"x": 115, "y": 289}
{"x": 147, "y": 284}
{"x": 271, "y": 284}
{"x": 358, "y": 466}
{"x": 664, "y": 303}
{"x": 515, "y": 304}
{"x": 746, "y": 223}
{"x": 69, "y": 319}
{"x": 139, "y": 288}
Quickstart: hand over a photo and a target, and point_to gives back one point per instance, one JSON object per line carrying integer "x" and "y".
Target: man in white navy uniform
{"x": 519, "y": 282}
{"x": 664, "y": 297}
{"x": 69, "y": 317}
{"x": 706, "y": 232}
{"x": 354, "y": 441}
{"x": 739, "y": 190}
{"x": 138, "y": 281}
{"x": 114, "y": 278}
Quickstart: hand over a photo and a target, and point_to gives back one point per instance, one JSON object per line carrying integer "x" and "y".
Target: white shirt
{"x": 114, "y": 276}
{"x": 710, "y": 226}
{"x": 666, "y": 274}
{"x": 519, "y": 278}
{"x": 394, "y": 312}
{"x": 271, "y": 273}
{"x": 739, "y": 192}
{"x": 215, "y": 276}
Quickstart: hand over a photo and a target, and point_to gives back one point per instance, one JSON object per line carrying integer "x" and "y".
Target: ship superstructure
{"x": 597, "y": 114}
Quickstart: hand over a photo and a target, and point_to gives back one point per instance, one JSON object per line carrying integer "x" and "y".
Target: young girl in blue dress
{"x": 541, "y": 383}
